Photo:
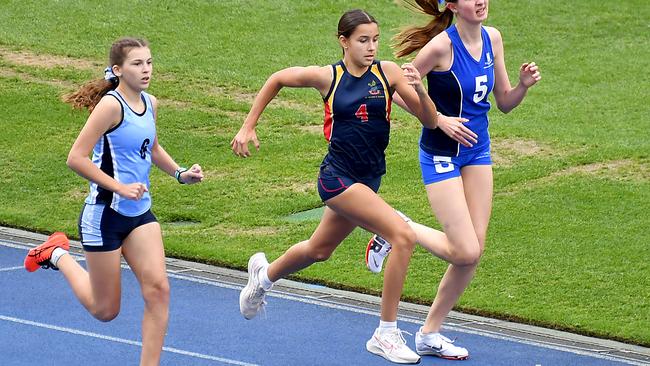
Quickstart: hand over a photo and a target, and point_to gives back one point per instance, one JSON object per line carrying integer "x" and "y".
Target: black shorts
{"x": 332, "y": 183}
{"x": 102, "y": 229}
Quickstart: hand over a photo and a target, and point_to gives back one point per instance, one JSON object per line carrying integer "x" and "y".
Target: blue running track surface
{"x": 41, "y": 323}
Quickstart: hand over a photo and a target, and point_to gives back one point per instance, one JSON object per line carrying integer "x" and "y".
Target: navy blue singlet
{"x": 357, "y": 122}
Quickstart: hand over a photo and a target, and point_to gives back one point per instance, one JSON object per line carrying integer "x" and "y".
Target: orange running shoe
{"x": 40, "y": 256}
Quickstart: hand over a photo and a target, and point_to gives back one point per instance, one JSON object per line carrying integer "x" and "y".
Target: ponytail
{"x": 92, "y": 92}
{"x": 412, "y": 39}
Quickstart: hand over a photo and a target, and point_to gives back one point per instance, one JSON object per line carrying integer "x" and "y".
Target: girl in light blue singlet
{"x": 116, "y": 219}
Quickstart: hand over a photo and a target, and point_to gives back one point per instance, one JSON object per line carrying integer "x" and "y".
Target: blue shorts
{"x": 103, "y": 229}
{"x": 437, "y": 168}
{"x": 332, "y": 183}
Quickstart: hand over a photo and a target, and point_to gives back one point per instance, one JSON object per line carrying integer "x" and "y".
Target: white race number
{"x": 481, "y": 88}
{"x": 443, "y": 164}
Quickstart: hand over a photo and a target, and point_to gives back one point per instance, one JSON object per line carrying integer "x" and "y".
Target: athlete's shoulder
{"x": 107, "y": 113}
{"x": 151, "y": 96}
{"x": 391, "y": 71}
{"x": 310, "y": 74}
{"x": 154, "y": 104}
{"x": 441, "y": 40}
{"x": 434, "y": 54}
{"x": 438, "y": 46}
{"x": 321, "y": 76}
{"x": 109, "y": 103}
{"x": 321, "y": 71}
{"x": 388, "y": 65}
{"x": 154, "y": 100}
{"x": 495, "y": 35}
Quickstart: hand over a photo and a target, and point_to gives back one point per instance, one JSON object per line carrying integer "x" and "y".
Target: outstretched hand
{"x": 454, "y": 127}
{"x": 192, "y": 175}
{"x": 239, "y": 143}
{"x": 529, "y": 74}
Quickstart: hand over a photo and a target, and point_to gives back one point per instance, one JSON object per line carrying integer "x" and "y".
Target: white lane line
{"x": 359, "y": 310}
{"x": 124, "y": 341}
{"x": 11, "y": 268}
{"x": 15, "y": 245}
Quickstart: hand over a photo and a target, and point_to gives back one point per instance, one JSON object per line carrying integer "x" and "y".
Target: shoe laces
{"x": 257, "y": 296}
{"x": 396, "y": 337}
{"x": 445, "y": 339}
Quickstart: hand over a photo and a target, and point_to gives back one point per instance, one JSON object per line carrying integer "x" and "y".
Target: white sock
{"x": 264, "y": 279}
{"x": 56, "y": 255}
{"x": 428, "y": 334}
{"x": 386, "y": 326}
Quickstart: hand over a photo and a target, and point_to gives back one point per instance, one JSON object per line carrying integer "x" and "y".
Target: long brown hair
{"x": 412, "y": 39}
{"x": 92, "y": 92}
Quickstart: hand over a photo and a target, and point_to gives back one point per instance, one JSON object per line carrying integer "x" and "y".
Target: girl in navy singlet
{"x": 116, "y": 218}
{"x": 463, "y": 63}
{"x": 357, "y": 95}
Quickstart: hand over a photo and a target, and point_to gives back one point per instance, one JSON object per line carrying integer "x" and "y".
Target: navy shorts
{"x": 332, "y": 183}
{"x": 103, "y": 229}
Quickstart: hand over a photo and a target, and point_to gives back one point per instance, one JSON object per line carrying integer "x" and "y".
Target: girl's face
{"x": 361, "y": 47}
{"x": 136, "y": 70}
{"x": 473, "y": 11}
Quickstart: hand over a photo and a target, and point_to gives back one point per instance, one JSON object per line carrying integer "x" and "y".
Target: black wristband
{"x": 178, "y": 173}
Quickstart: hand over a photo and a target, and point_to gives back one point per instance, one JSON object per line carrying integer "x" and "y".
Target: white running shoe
{"x": 251, "y": 298}
{"x": 378, "y": 249}
{"x": 391, "y": 345}
{"x": 436, "y": 344}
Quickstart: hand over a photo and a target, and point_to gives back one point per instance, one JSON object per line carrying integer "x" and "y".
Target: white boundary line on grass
{"x": 122, "y": 340}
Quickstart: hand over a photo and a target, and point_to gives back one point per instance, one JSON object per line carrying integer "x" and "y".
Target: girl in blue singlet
{"x": 357, "y": 94}
{"x": 116, "y": 218}
{"x": 463, "y": 63}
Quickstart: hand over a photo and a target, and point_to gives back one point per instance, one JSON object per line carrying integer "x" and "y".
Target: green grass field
{"x": 568, "y": 246}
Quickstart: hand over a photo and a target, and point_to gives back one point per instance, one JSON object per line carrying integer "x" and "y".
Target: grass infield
{"x": 568, "y": 244}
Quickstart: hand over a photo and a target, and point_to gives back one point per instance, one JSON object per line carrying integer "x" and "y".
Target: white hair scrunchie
{"x": 108, "y": 74}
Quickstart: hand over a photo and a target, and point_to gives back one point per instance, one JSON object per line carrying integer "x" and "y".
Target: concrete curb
{"x": 632, "y": 354}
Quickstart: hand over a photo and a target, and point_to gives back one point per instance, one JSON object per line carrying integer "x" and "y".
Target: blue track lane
{"x": 41, "y": 323}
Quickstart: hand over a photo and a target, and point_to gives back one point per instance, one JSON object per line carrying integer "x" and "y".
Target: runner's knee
{"x": 403, "y": 238}
{"x": 465, "y": 255}
{"x": 156, "y": 292}
{"x": 107, "y": 312}
{"x": 320, "y": 254}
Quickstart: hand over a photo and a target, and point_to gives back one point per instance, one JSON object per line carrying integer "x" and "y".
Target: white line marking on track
{"x": 15, "y": 246}
{"x": 11, "y": 268}
{"x": 360, "y": 310}
{"x": 3, "y": 243}
{"x": 354, "y": 309}
{"x": 124, "y": 341}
